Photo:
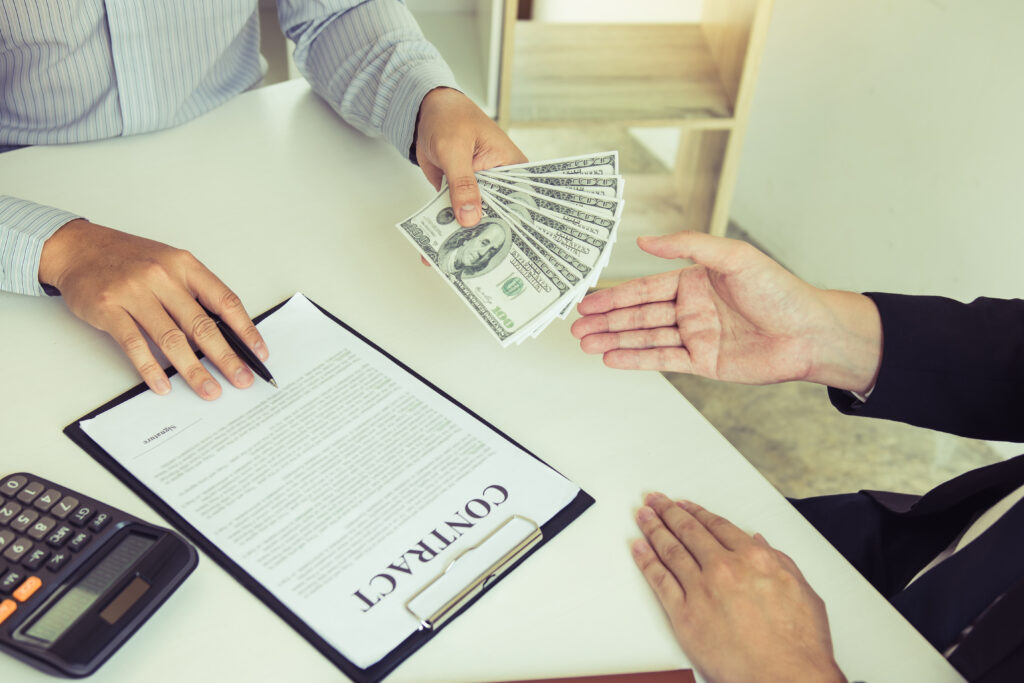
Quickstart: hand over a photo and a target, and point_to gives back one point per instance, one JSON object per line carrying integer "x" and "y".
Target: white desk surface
{"x": 276, "y": 195}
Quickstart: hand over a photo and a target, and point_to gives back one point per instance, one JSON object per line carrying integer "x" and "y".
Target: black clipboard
{"x": 418, "y": 639}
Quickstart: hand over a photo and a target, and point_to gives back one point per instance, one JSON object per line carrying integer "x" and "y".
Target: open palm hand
{"x": 735, "y": 315}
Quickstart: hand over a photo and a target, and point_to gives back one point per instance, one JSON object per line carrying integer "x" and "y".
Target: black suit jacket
{"x": 956, "y": 368}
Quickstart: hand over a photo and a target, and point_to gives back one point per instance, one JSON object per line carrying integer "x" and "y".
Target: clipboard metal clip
{"x": 436, "y": 610}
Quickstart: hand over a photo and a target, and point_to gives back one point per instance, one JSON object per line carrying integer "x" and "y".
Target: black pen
{"x": 239, "y": 347}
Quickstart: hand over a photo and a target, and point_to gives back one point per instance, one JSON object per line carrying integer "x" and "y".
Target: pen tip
{"x": 274, "y": 382}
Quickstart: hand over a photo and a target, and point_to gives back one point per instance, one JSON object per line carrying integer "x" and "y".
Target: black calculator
{"x": 78, "y": 577}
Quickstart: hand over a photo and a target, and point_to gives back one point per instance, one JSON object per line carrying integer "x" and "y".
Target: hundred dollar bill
{"x": 595, "y": 225}
{"x": 493, "y": 270}
{"x": 601, "y": 186}
{"x": 580, "y": 244}
{"x": 581, "y": 276}
{"x": 541, "y": 320}
{"x": 605, "y": 163}
{"x": 565, "y": 264}
{"x": 546, "y": 232}
{"x": 599, "y": 206}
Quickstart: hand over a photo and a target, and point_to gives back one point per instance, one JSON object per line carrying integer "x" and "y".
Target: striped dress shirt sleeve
{"x": 24, "y": 227}
{"x": 368, "y": 60}
{"x": 73, "y": 72}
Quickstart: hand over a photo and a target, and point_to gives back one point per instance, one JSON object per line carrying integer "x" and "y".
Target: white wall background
{"x": 886, "y": 145}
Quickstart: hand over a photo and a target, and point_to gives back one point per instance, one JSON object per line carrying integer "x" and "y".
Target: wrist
{"x": 847, "y": 352}
{"x": 429, "y": 100}
{"x": 58, "y": 249}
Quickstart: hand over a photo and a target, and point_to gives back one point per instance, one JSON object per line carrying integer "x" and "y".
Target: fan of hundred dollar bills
{"x": 547, "y": 231}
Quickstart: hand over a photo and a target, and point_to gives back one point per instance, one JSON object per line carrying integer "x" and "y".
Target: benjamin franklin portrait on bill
{"x": 471, "y": 252}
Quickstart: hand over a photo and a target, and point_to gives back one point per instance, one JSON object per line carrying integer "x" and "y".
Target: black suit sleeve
{"x": 949, "y": 366}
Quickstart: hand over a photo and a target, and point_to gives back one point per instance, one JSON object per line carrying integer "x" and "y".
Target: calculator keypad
{"x": 60, "y": 536}
{"x": 42, "y": 529}
{"x": 24, "y": 520}
{"x": 79, "y": 541}
{"x": 57, "y": 560}
{"x": 99, "y": 521}
{"x": 64, "y": 507}
{"x": 46, "y": 501}
{"x": 8, "y": 511}
{"x": 82, "y": 515}
{"x": 12, "y": 485}
{"x": 17, "y": 548}
{"x": 29, "y": 492}
{"x": 11, "y": 579}
{"x": 35, "y": 558}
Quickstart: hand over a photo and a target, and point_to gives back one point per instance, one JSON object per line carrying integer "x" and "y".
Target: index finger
{"x": 216, "y": 297}
{"x": 727, "y": 533}
{"x": 691, "y": 532}
{"x": 649, "y": 289}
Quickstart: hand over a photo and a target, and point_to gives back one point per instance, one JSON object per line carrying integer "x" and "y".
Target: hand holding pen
{"x": 240, "y": 348}
{"x": 133, "y": 288}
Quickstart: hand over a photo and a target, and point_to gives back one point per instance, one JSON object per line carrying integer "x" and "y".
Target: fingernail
{"x": 468, "y": 213}
{"x": 261, "y": 351}
{"x": 653, "y": 497}
{"x": 243, "y": 376}
{"x": 162, "y": 386}
{"x": 639, "y": 547}
{"x": 210, "y": 389}
{"x": 645, "y": 514}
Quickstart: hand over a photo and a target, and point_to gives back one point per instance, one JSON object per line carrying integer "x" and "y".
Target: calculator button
{"x": 7, "y": 608}
{"x": 6, "y": 537}
{"x": 99, "y": 521}
{"x": 8, "y": 511}
{"x": 57, "y": 561}
{"x": 42, "y": 527}
{"x": 46, "y": 501}
{"x": 29, "y": 492}
{"x": 82, "y": 515}
{"x": 12, "y": 484}
{"x": 64, "y": 507}
{"x": 60, "y": 536}
{"x": 11, "y": 580}
{"x": 27, "y": 588}
{"x": 22, "y": 521}
{"x": 19, "y": 547}
{"x": 35, "y": 558}
{"x": 79, "y": 541}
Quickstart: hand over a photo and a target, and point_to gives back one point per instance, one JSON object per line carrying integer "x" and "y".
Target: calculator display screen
{"x": 81, "y": 596}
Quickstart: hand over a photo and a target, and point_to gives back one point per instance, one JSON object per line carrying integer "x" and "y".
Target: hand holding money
{"x": 544, "y": 236}
{"x": 454, "y": 139}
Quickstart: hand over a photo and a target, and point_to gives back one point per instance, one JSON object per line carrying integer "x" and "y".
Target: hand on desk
{"x": 126, "y": 285}
{"x": 740, "y": 609}
{"x": 454, "y": 140}
{"x": 735, "y": 315}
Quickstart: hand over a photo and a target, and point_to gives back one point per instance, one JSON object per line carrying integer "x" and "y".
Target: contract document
{"x": 345, "y": 493}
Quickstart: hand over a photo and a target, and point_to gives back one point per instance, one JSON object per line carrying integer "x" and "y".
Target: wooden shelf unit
{"x": 695, "y": 77}
{"x": 633, "y": 74}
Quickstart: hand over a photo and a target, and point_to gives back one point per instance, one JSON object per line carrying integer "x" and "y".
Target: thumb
{"x": 464, "y": 193}
{"x": 717, "y": 253}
